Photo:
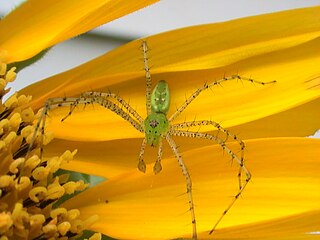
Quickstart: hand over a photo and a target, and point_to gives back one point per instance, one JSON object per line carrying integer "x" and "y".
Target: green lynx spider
{"x": 157, "y": 126}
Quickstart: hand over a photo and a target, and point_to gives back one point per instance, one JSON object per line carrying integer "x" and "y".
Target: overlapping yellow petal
{"x": 285, "y": 183}
{"x": 37, "y": 25}
{"x": 118, "y": 156}
{"x": 258, "y": 46}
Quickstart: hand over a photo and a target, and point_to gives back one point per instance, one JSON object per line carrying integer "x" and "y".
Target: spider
{"x": 158, "y": 127}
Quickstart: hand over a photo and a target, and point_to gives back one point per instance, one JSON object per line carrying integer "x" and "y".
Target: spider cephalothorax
{"x": 155, "y": 127}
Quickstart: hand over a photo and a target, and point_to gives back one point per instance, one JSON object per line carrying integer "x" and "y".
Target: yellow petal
{"x": 285, "y": 182}
{"x": 170, "y": 50}
{"x": 117, "y": 156}
{"x": 188, "y": 58}
{"x": 37, "y": 25}
{"x": 109, "y": 158}
{"x": 302, "y": 226}
{"x": 299, "y": 121}
{"x": 104, "y": 125}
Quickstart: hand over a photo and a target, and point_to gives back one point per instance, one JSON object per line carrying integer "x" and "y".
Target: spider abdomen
{"x": 160, "y": 98}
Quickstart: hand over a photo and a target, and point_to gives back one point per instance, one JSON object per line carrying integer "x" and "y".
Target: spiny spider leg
{"x": 104, "y": 103}
{"x": 186, "y": 174}
{"x": 73, "y": 103}
{"x": 123, "y": 103}
{"x": 141, "y": 164}
{"x": 156, "y": 125}
{"x": 147, "y": 75}
{"x": 40, "y": 121}
{"x": 220, "y": 129}
{"x": 232, "y": 155}
{"x": 58, "y": 102}
{"x": 206, "y": 86}
{"x": 116, "y": 109}
{"x": 157, "y": 165}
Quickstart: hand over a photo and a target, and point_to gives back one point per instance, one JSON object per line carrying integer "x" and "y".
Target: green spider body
{"x": 160, "y": 98}
{"x": 156, "y": 124}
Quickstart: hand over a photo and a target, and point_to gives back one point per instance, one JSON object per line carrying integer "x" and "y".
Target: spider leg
{"x": 116, "y": 109}
{"x": 206, "y": 86}
{"x": 73, "y": 103}
{"x": 120, "y": 100}
{"x": 188, "y": 183}
{"x": 232, "y": 155}
{"x": 144, "y": 47}
{"x": 157, "y": 165}
{"x": 42, "y": 119}
{"x": 141, "y": 164}
{"x": 220, "y": 129}
{"x": 40, "y": 125}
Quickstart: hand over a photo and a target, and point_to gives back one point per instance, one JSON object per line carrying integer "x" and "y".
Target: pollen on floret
{"x": 22, "y": 184}
{"x": 27, "y": 115}
{"x": 37, "y": 194}
{"x": 71, "y": 187}
{"x": 12, "y": 101}
{"x": 55, "y": 213}
{"x": 68, "y": 155}
{"x": 37, "y": 220}
{"x": 3, "y": 69}
{"x": 96, "y": 236}
{"x": 73, "y": 214}
{"x": 63, "y": 228}
{"x": 5, "y": 222}
{"x": 10, "y": 137}
{"x": 13, "y": 168}
{"x": 32, "y": 163}
{"x": 11, "y": 75}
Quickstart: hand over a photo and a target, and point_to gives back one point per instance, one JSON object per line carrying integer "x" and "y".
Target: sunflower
{"x": 282, "y": 200}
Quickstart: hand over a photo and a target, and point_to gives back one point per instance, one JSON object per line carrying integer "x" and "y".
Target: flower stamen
{"x": 30, "y": 184}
